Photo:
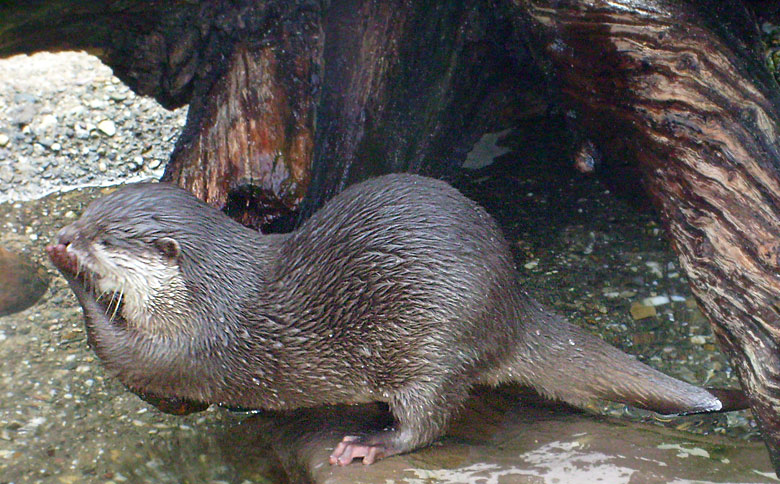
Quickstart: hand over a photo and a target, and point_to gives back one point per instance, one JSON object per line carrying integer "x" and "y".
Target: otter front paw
{"x": 352, "y": 447}
{"x": 62, "y": 259}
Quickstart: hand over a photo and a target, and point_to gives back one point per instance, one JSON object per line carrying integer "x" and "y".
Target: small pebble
{"x": 69, "y": 479}
{"x": 47, "y": 123}
{"x": 640, "y": 311}
{"x": 655, "y": 301}
{"x": 655, "y": 268}
{"x": 698, "y": 340}
{"x": 107, "y": 127}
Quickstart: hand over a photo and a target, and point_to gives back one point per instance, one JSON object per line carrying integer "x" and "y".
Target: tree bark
{"x": 249, "y": 140}
{"x": 653, "y": 82}
{"x": 411, "y": 86}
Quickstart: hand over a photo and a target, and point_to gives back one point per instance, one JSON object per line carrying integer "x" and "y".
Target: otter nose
{"x": 66, "y": 235}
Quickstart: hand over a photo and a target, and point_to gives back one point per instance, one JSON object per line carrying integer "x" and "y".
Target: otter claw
{"x": 349, "y": 448}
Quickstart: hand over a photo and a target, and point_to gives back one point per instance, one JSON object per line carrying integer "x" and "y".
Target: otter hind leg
{"x": 421, "y": 413}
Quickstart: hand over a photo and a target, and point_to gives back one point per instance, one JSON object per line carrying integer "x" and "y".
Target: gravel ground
{"x": 66, "y": 122}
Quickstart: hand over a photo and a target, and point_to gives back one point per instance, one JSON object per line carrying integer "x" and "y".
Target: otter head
{"x": 158, "y": 274}
{"x": 125, "y": 252}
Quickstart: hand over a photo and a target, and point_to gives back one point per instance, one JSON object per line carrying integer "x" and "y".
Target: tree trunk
{"x": 654, "y": 83}
{"x": 393, "y": 86}
{"x": 390, "y": 86}
{"x": 410, "y": 86}
{"x": 249, "y": 140}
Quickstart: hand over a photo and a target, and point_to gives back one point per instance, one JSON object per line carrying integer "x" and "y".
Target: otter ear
{"x": 168, "y": 246}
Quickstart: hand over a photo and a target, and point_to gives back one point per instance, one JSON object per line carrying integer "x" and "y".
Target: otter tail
{"x": 562, "y": 361}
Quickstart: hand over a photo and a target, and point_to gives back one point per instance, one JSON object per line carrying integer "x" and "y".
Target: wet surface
{"x": 507, "y": 437}
{"x": 604, "y": 262}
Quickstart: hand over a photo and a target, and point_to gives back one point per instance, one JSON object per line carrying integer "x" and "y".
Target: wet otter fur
{"x": 399, "y": 289}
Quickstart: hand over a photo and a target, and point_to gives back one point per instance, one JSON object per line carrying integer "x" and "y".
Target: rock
{"x": 531, "y": 264}
{"x": 4, "y": 139}
{"x": 118, "y": 96}
{"x": 6, "y": 173}
{"x": 136, "y": 163}
{"x": 655, "y": 301}
{"x": 107, "y": 127}
{"x": 22, "y": 282}
{"x": 46, "y": 124}
{"x": 502, "y": 435}
{"x": 698, "y": 339}
{"x": 25, "y": 98}
{"x": 643, "y": 338}
{"x": 24, "y": 167}
{"x": 22, "y": 115}
{"x": 654, "y": 268}
{"x": 640, "y": 311}
{"x": 80, "y": 132}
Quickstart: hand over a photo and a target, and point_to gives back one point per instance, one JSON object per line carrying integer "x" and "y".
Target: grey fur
{"x": 400, "y": 289}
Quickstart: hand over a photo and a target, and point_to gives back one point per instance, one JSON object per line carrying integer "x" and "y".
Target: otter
{"x": 399, "y": 289}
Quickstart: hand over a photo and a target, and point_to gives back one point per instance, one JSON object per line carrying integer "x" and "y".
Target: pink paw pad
{"x": 349, "y": 449}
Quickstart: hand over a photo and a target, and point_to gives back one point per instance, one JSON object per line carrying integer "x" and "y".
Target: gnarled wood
{"x": 652, "y": 82}
{"x": 249, "y": 140}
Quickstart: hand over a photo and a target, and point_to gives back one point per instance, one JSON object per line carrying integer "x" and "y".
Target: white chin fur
{"x": 141, "y": 279}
